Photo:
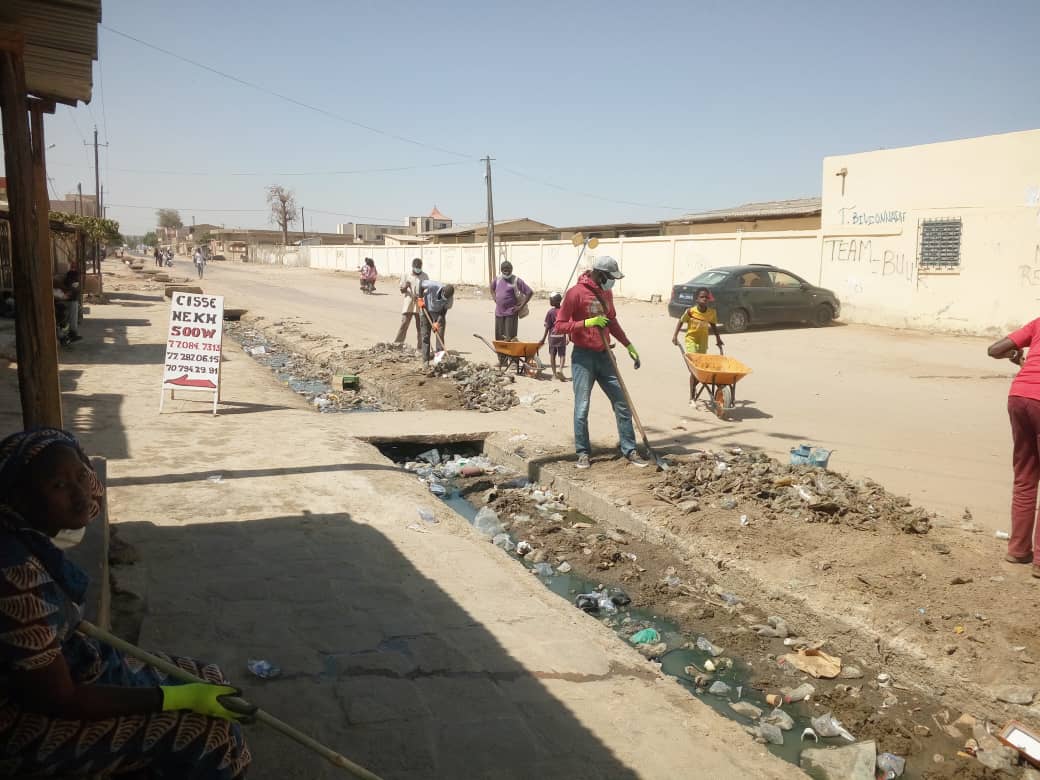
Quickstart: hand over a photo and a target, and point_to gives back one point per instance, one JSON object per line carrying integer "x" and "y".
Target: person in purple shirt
{"x": 511, "y": 297}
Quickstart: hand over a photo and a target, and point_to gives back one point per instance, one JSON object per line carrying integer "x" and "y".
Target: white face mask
{"x": 608, "y": 283}
{"x": 416, "y": 271}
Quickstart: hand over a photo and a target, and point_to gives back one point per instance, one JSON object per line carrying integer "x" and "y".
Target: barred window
{"x": 939, "y": 244}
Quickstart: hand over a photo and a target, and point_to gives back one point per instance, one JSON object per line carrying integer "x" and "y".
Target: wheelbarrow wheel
{"x": 723, "y": 401}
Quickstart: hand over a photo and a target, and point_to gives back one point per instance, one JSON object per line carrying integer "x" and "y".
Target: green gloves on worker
{"x": 202, "y": 698}
{"x": 599, "y": 321}
{"x": 634, "y": 355}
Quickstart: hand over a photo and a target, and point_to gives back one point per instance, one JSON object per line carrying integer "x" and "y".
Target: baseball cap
{"x": 607, "y": 265}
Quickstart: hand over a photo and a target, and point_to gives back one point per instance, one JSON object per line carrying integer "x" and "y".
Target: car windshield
{"x": 708, "y": 277}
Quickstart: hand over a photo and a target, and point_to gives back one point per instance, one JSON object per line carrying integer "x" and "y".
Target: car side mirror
{"x": 804, "y": 286}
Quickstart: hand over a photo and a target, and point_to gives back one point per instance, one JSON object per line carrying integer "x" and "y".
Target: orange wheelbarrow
{"x": 718, "y": 375}
{"x": 521, "y": 354}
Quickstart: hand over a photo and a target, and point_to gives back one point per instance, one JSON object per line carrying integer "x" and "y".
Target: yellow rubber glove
{"x": 597, "y": 322}
{"x": 632, "y": 353}
{"x": 202, "y": 698}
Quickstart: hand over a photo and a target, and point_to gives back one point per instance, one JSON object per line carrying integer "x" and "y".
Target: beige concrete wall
{"x": 869, "y": 237}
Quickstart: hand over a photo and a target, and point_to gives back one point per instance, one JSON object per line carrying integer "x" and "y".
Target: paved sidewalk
{"x": 418, "y": 655}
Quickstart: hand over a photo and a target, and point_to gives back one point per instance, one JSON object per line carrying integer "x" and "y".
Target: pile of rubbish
{"x": 812, "y": 494}
{"x": 484, "y": 388}
{"x": 439, "y": 474}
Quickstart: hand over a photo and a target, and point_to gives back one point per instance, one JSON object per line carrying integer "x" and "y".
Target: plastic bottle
{"x": 801, "y": 693}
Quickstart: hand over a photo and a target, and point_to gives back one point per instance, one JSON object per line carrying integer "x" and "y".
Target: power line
{"x": 589, "y": 194}
{"x": 286, "y": 98}
{"x": 278, "y": 173}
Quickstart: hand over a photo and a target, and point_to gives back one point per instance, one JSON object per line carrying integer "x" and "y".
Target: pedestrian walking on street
{"x": 511, "y": 298}
{"x": 200, "y": 261}
{"x": 1023, "y": 349}
{"x": 557, "y": 341}
{"x": 157, "y": 256}
{"x": 369, "y": 275}
{"x": 409, "y": 287}
{"x": 435, "y": 299}
{"x": 588, "y": 307}
{"x": 74, "y": 706}
{"x": 699, "y": 319}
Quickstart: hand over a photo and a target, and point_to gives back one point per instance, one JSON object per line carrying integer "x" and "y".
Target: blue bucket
{"x": 806, "y": 455}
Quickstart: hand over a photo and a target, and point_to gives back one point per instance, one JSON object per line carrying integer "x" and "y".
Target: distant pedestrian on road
{"x": 409, "y": 287}
{"x": 557, "y": 341}
{"x": 369, "y": 274}
{"x": 511, "y": 298}
{"x": 435, "y": 299}
{"x": 588, "y": 308}
{"x": 1023, "y": 349}
{"x": 698, "y": 319}
{"x": 200, "y": 261}
{"x": 157, "y": 255}
{"x": 74, "y": 706}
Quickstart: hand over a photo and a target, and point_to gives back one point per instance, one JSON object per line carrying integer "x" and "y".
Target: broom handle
{"x": 236, "y": 703}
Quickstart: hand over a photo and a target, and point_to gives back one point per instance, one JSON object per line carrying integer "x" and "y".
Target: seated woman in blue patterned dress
{"x": 70, "y": 705}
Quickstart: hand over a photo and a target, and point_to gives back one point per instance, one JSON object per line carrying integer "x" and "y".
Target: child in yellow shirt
{"x": 698, "y": 319}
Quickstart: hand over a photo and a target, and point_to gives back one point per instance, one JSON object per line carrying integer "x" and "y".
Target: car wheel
{"x": 823, "y": 316}
{"x": 737, "y": 321}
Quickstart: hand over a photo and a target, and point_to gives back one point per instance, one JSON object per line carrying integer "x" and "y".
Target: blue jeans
{"x": 587, "y": 368}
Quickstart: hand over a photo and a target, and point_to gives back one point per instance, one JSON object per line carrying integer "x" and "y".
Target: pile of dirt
{"x": 811, "y": 494}
{"x": 483, "y": 387}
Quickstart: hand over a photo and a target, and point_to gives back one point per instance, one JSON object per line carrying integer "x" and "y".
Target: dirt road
{"x": 923, "y": 414}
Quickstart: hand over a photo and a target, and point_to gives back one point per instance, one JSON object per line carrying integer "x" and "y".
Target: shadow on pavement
{"x": 378, "y": 662}
{"x": 195, "y": 476}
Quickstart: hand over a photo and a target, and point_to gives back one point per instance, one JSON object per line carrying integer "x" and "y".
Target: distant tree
{"x": 283, "y": 208}
{"x": 169, "y": 218}
{"x": 150, "y": 239}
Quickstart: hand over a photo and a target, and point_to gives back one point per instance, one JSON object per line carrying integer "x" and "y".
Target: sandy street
{"x": 924, "y": 414}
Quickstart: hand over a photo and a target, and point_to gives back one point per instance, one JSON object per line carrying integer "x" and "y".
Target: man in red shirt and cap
{"x": 587, "y": 308}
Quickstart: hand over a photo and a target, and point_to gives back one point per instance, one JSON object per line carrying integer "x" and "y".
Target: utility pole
{"x": 79, "y": 189}
{"x": 490, "y": 221}
{"x": 303, "y": 222}
{"x": 97, "y": 196}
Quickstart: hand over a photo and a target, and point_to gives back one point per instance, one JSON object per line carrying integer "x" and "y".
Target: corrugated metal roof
{"x": 61, "y": 44}
{"x": 797, "y": 207}
{"x": 475, "y": 227}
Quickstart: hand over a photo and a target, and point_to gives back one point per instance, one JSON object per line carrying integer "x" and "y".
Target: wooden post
{"x": 37, "y": 346}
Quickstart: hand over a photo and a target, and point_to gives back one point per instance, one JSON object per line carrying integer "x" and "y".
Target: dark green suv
{"x": 757, "y": 295}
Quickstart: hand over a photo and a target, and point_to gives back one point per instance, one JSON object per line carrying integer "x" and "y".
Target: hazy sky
{"x": 654, "y": 108}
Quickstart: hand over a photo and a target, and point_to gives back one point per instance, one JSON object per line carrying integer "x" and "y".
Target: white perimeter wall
{"x": 866, "y": 251}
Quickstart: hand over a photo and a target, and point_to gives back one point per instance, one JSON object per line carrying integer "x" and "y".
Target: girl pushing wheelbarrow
{"x": 698, "y": 319}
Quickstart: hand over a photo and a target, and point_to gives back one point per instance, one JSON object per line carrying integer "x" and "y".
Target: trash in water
{"x": 564, "y": 568}
{"x": 646, "y": 636}
{"x": 814, "y": 662}
{"x": 891, "y": 765}
{"x": 606, "y": 604}
{"x": 703, "y": 643}
{"x": 810, "y": 733}
{"x": 780, "y": 719}
{"x": 747, "y": 709}
{"x": 438, "y": 489}
{"x": 487, "y": 523}
{"x": 543, "y": 569}
{"x": 503, "y": 541}
{"x": 587, "y": 602}
{"x": 827, "y": 725}
{"x": 433, "y": 457}
{"x": 426, "y": 515}
{"x": 215, "y": 478}
{"x": 620, "y": 598}
{"x": 719, "y": 688}
{"x": 769, "y": 733}
{"x": 1002, "y": 535}
{"x": 265, "y": 670}
{"x": 709, "y": 665}
{"x": 801, "y": 693}
{"x": 523, "y": 548}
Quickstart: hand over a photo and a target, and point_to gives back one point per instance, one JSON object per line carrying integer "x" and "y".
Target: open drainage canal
{"x": 463, "y": 478}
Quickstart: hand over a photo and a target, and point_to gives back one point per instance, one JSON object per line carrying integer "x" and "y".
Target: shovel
{"x": 659, "y": 462}
{"x": 439, "y": 356}
{"x": 233, "y": 703}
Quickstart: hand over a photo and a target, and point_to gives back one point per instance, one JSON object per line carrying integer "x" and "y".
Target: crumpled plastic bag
{"x": 814, "y": 662}
{"x": 827, "y": 725}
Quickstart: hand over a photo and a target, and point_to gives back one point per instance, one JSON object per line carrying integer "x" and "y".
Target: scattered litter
{"x": 719, "y": 688}
{"x": 890, "y": 765}
{"x": 731, "y": 599}
{"x": 487, "y": 523}
{"x": 809, "y": 733}
{"x": 433, "y": 457}
{"x": 884, "y": 679}
{"x": 438, "y": 489}
{"x": 801, "y": 693}
{"x": 543, "y": 569}
{"x": 709, "y": 665}
{"x": 747, "y": 709}
{"x": 265, "y": 670}
{"x": 215, "y": 478}
{"x": 780, "y": 719}
{"x": 426, "y": 515}
{"x": 703, "y": 643}
{"x": 587, "y": 602}
{"x": 1002, "y": 535}
{"x": 828, "y": 726}
{"x": 503, "y": 542}
{"x": 744, "y": 522}
{"x": 646, "y": 636}
{"x": 564, "y": 568}
{"x": 807, "y": 455}
{"x": 768, "y": 733}
{"x": 620, "y": 598}
{"x": 523, "y": 548}
{"x": 813, "y": 662}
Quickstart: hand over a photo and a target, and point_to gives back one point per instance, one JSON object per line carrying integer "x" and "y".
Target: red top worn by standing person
{"x": 1027, "y": 383}
{"x": 579, "y": 304}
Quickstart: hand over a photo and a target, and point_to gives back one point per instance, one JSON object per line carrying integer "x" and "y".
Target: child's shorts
{"x": 558, "y": 347}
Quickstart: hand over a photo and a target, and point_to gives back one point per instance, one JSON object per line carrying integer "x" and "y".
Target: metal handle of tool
{"x": 628, "y": 398}
{"x": 232, "y": 703}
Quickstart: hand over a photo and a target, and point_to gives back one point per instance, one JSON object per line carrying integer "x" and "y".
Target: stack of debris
{"x": 484, "y": 388}
{"x": 780, "y": 490}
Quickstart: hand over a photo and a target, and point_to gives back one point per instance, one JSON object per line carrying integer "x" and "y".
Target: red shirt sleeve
{"x": 565, "y": 322}
{"x": 1023, "y": 337}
